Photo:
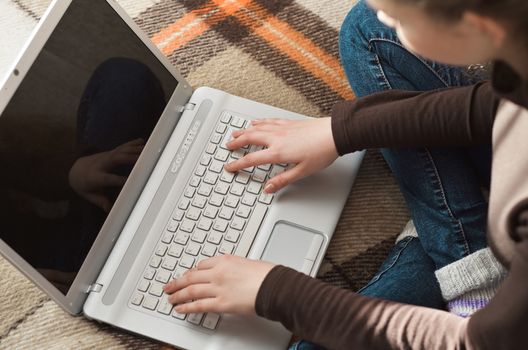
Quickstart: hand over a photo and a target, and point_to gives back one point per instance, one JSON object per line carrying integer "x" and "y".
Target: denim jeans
{"x": 442, "y": 187}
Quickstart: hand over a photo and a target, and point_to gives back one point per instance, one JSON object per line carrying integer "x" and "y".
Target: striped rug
{"x": 280, "y": 52}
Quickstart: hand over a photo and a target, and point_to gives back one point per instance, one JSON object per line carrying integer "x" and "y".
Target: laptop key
{"x": 167, "y": 237}
{"x": 238, "y": 122}
{"x": 178, "y": 214}
{"x": 209, "y": 250}
{"x": 252, "y": 227}
{"x": 249, "y": 199}
{"x": 265, "y": 198}
{"x": 225, "y": 118}
{"x": 161, "y": 250}
{"x": 232, "y": 201}
{"x": 149, "y": 273}
{"x": 195, "y": 318}
{"x": 165, "y": 307}
{"x": 175, "y": 250}
{"x": 172, "y": 226}
{"x": 216, "y": 200}
{"x": 155, "y": 261}
{"x": 214, "y": 237}
{"x": 143, "y": 285}
{"x": 169, "y": 263}
{"x": 259, "y": 175}
{"x": 177, "y": 315}
{"x": 150, "y": 303}
{"x": 137, "y": 298}
{"x": 205, "y": 189}
{"x": 193, "y": 248}
{"x": 216, "y": 166}
{"x": 187, "y": 225}
{"x": 199, "y": 201}
{"x": 226, "y": 248}
{"x": 156, "y": 289}
{"x": 211, "y": 321}
{"x": 216, "y": 138}
{"x": 238, "y": 223}
{"x": 187, "y": 261}
{"x": 181, "y": 237}
{"x": 163, "y": 276}
{"x": 180, "y": 271}
{"x": 254, "y": 187}
{"x": 232, "y": 235}
{"x": 184, "y": 203}
{"x": 204, "y": 224}
{"x": 227, "y": 176}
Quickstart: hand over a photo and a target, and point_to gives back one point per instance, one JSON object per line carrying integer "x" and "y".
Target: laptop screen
{"x": 71, "y": 134}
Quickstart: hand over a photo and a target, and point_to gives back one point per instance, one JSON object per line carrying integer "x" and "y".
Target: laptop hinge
{"x": 187, "y": 107}
{"x": 96, "y": 287}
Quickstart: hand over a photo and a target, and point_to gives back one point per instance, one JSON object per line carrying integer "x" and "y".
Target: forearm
{"x": 460, "y": 116}
{"x": 339, "y": 319}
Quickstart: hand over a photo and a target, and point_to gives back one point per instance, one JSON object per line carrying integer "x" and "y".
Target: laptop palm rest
{"x": 293, "y": 246}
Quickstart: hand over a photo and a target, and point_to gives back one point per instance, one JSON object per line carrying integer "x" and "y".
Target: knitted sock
{"x": 408, "y": 231}
{"x": 469, "y": 284}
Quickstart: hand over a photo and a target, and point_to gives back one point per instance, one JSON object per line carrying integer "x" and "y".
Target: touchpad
{"x": 293, "y": 246}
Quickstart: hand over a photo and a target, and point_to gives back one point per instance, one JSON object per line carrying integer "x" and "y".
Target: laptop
{"x": 113, "y": 181}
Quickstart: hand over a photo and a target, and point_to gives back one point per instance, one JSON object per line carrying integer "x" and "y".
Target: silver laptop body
{"x": 152, "y": 232}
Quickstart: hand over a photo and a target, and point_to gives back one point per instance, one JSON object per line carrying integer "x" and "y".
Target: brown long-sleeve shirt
{"x": 340, "y": 319}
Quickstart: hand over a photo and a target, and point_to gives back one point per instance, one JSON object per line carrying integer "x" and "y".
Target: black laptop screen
{"x": 71, "y": 134}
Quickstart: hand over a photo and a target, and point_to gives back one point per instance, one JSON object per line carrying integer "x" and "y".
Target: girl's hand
{"x": 92, "y": 175}
{"x": 308, "y": 145}
{"x": 223, "y": 284}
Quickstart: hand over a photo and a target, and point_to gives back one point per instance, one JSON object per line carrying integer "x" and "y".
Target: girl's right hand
{"x": 308, "y": 145}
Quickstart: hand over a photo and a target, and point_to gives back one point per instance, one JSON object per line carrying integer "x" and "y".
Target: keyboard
{"x": 218, "y": 213}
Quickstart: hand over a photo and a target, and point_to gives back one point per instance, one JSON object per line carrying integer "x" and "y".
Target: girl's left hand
{"x": 223, "y": 284}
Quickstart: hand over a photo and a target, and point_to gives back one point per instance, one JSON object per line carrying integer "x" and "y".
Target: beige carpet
{"x": 280, "y": 52}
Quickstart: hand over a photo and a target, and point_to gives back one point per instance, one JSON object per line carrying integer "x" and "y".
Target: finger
{"x": 192, "y": 292}
{"x": 109, "y": 180}
{"x": 135, "y": 142}
{"x": 251, "y": 159}
{"x": 132, "y": 149}
{"x": 200, "y": 306}
{"x": 275, "y": 121}
{"x": 248, "y": 137}
{"x": 190, "y": 277}
{"x": 281, "y": 180}
{"x": 208, "y": 263}
{"x": 121, "y": 158}
{"x": 100, "y": 201}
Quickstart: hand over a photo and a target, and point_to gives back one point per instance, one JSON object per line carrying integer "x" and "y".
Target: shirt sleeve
{"x": 461, "y": 116}
{"x": 340, "y": 319}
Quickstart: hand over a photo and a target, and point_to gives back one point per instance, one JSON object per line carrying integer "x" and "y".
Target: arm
{"x": 461, "y": 116}
{"x": 339, "y": 319}
{"x": 448, "y": 117}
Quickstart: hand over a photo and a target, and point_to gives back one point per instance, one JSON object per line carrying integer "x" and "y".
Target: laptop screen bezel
{"x": 73, "y": 301}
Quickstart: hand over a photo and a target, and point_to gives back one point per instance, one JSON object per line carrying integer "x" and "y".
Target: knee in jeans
{"x": 358, "y": 26}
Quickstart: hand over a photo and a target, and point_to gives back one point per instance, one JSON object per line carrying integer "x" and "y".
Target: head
{"x": 458, "y": 32}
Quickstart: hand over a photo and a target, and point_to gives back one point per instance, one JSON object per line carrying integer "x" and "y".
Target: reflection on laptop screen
{"x": 71, "y": 134}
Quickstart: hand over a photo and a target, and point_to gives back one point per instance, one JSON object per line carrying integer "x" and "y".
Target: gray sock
{"x": 470, "y": 283}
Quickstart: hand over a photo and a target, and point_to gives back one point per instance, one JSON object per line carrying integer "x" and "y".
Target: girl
{"x": 454, "y": 32}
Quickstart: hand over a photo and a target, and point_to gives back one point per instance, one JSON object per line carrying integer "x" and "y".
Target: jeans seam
{"x": 378, "y": 62}
{"x": 444, "y": 200}
{"x": 417, "y": 57}
{"x": 380, "y": 274}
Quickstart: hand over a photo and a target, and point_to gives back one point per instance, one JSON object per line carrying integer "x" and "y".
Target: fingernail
{"x": 268, "y": 188}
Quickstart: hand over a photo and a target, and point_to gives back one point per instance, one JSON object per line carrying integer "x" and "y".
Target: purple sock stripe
{"x": 475, "y": 304}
